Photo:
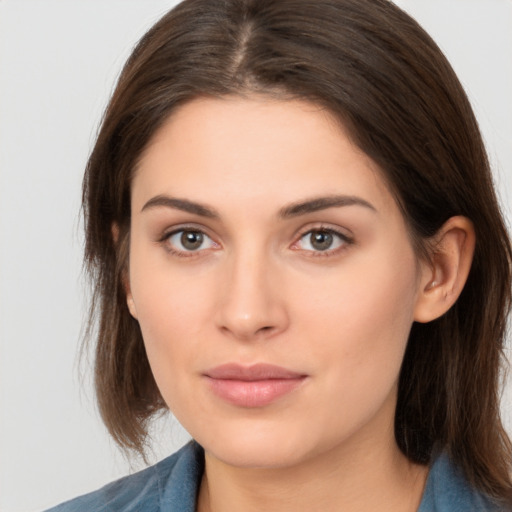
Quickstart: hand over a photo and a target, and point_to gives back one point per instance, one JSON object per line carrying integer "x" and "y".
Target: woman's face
{"x": 273, "y": 279}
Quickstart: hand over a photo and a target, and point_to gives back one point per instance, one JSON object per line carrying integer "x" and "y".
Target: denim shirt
{"x": 172, "y": 486}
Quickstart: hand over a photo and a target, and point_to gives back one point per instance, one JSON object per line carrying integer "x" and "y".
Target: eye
{"x": 322, "y": 240}
{"x": 189, "y": 240}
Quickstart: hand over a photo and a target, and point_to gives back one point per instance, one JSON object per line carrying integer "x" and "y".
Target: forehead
{"x": 236, "y": 150}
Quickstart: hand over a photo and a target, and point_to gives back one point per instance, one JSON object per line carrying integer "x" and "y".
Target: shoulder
{"x": 169, "y": 485}
{"x": 447, "y": 490}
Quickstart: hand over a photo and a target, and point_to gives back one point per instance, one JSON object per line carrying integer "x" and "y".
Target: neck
{"x": 361, "y": 475}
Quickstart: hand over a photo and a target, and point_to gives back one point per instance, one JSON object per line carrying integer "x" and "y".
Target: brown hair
{"x": 375, "y": 69}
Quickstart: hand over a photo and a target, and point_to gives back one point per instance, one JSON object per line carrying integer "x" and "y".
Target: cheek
{"x": 172, "y": 308}
{"x": 363, "y": 317}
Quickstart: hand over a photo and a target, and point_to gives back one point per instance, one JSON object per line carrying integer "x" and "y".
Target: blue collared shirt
{"x": 172, "y": 486}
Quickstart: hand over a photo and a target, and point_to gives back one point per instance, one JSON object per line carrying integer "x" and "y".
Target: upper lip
{"x": 260, "y": 371}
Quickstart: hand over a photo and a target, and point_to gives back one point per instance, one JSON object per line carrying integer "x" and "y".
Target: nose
{"x": 252, "y": 302}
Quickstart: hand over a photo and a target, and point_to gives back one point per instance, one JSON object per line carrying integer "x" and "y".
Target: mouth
{"x": 252, "y": 386}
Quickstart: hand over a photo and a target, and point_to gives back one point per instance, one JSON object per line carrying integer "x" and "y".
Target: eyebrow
{"x": 181, "y": 204}
{"x": 322, "y": 203}
{"x": 293, "y": 210}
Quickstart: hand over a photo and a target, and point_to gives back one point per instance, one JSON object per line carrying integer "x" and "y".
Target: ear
{"x": 125, "y": 277}
{"x": 444, "y": 277}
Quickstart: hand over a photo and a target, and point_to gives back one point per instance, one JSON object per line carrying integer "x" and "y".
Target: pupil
{"x": 321, "y": 240}
{"x": 191, "y": 240}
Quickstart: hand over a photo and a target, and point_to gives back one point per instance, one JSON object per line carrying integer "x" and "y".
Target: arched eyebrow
{"x": 181, "y": 204}
{"x": 292, "y": 210}
{"x": 322, "y": 203}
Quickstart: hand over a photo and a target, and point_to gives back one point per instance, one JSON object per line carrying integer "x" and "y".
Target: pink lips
{"x": 252, "y": 386}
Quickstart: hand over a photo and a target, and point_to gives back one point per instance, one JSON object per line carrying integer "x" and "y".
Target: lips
{"x": 252, "y": 386}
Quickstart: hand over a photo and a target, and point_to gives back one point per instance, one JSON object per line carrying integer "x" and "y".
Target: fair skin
{"x": 261, "y": 234}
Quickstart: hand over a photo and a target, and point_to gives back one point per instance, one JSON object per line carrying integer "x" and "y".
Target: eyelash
{"x": 165, "y": 240}
{"x": 344, "y": 239}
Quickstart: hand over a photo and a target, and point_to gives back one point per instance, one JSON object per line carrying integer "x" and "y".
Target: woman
{"x": 330, "y": 343}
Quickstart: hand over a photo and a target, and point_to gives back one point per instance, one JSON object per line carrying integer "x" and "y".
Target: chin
{"x": 250, "y": 444}
{"x": 262, "y": 454}
{"x": 257, "y": 446}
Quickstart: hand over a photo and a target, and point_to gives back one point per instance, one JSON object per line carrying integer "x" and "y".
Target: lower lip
{"x": 256, "y": 393}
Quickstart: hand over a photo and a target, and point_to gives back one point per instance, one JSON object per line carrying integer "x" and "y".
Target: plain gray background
{"x": 58, "y": 63}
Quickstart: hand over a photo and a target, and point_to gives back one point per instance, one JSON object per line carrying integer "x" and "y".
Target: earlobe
{"x": 444, "y": 278}
{"x": 124, "y": 276}
{"x": 129, "y": 297}
{"x": 131, "y": 305}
